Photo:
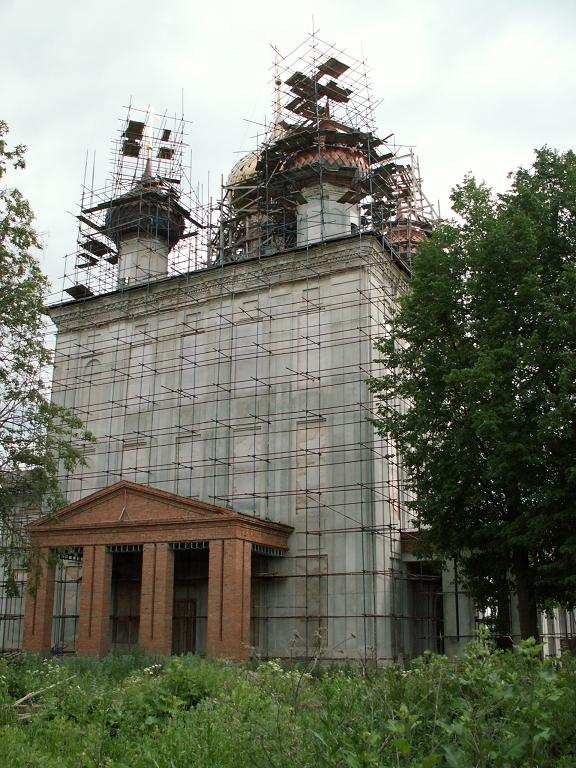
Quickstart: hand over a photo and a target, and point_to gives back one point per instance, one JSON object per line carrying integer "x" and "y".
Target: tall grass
{"x": 490, "y": 709}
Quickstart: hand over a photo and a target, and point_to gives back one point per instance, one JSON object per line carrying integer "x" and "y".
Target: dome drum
{"x": 145, "y": 213}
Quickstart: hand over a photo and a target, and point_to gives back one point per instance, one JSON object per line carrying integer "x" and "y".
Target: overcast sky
{"x": 475, "y": 86}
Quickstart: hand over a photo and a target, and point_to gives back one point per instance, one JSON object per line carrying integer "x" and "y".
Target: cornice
{"x": 205, "y": 285}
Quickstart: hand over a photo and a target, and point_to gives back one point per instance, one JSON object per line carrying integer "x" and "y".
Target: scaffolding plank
{"x": 95, "y": 247}
{"x": 90, "y": 223}
{"x": 332, "y": 67}
{"x": 131, "y": 148}
{"x": 134, "y": 129}
{"x": 89, "y": 261}
{"x": 79, "y": 291}
{"x": 335, "y": 92}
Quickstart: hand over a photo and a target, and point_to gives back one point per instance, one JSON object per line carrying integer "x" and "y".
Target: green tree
{"x": 483, "y": 354}
{"x": 37, "y": 438}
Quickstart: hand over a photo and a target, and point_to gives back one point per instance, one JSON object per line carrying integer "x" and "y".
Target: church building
{"x": 237, "y": 500}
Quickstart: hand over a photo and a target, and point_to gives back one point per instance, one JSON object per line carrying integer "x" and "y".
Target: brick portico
{"x": 155, "y": 522}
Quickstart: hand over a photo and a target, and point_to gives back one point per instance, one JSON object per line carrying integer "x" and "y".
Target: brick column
{"x": 39, "y": 608}
{"x": 95, "y": 602}
{"x": 229, "y": 593}
{"x": 157, "y": 599}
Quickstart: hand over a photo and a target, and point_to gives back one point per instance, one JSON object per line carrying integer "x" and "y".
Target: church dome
{"x": 243, "y": 173}
{"x": 337, "y": 149}
{"x": 241, "y": 180}
{"x": 149, "y": 209}
{"x": 244, "y": 170}
{"x": 333, "y": 156}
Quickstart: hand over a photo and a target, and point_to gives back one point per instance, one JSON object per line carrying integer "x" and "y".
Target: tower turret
{"x": 327, "y": 170}
{"x": 145, "y": 223}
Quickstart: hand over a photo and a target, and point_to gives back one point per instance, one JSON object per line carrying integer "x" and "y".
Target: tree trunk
{"x": 503, "y": 619}
{"x": 527, "y": 611}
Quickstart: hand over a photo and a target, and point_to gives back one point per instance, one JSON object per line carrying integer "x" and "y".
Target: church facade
{"x": 189, "y": 405}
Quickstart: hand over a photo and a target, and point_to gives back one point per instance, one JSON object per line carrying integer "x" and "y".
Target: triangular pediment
{"x": 130, "y": 503}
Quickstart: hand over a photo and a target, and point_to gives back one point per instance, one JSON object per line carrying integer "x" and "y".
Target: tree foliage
{"x": 483, "y": 352}
{"x": 37, "y": 437}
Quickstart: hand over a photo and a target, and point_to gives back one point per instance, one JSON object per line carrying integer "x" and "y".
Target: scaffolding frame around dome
{"x": 149, "y": 193}
{"x": 323, "y": 135}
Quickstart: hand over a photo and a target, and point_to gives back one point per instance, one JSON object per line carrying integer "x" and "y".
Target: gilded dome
{"x": 244, "y": 170}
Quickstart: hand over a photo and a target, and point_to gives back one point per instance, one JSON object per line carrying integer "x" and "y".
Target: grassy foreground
{"x": 491, "y": 709}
